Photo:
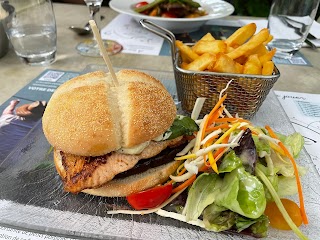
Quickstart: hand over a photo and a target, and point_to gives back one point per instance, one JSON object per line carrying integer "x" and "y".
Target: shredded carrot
{"x": 220, "y": 150}
{"x": 227, "y": 133}
{"x": 217, "y": 155}
{"x": 212, "y": 113}
{"x": 223, "y": 138}
{"x": 204, "y": 168}
{"x": 252, "y": 131}
{"x": 231, "y": 120}
{"x": 210, "y": 140}
{"x": 218, "y": 104}
{"x": 296, "y": 173}
{"x": 185, "y": 184}
{"x": 213, "y": 128}
{"x": 215, "y": 116}
{"x": 220, "y": 154}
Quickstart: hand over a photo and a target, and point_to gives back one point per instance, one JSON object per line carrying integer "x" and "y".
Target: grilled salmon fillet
{"x": 81, "y": 172}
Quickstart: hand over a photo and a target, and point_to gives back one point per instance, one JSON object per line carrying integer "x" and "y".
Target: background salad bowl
{"x": 215, "y": 9}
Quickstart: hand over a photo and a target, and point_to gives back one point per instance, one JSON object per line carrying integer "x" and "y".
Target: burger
{"x": 113, "y": 139}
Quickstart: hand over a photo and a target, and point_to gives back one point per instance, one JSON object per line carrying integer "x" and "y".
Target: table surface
{"x": 15, "y": 74}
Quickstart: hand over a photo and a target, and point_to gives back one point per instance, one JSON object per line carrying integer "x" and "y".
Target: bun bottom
{"x": 135, "y": 183}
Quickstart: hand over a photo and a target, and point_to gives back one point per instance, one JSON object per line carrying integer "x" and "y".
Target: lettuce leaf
{"x": 262, "y": 146}
{"x": 238, "y": 191}
{"x": 217, "y": 218}
{"x": 200, "y": 195}
{"x": 258, "y": 227}
{"x": 294, "y": 142}
{"x": 287, "y": 186}
{"x": 242, "y": 193}
{"x": 283, "y": 166}
{"x": 229, "y": 162}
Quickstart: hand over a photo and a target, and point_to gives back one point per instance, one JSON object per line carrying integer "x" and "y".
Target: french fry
{"x": 186, "y": 50}
{"x": 240, "y": 36}
{"x": 201, "y": 63}
{"x": 241, "y": 59}
{"x": 268, "y": 56}
{"x": 253, "y": 42}
{"x": 207, "y": 37}
{"x": 239, "y": 68}
{"x": 244, "y": 52}
{"x": 250, "y": 68}
{"x": 184, "y": 57}
{"x": 253, "y": 65}
{"x": 229, "y": 49}
{"x": 254, "y": 59}
{"x": 225, "y": 64}
{"x": 213, "y": 47}
{"x": 267, "y": 68}
{"x": 184, "y": 65}
{"x": 260, "y": 50}
{"x": 268, "y": 40}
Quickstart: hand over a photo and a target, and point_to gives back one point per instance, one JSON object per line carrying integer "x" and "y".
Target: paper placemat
{"x": 303, "y": 110}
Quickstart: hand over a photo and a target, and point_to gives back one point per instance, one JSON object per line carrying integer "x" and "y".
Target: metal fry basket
{"x": 245, "y": 93}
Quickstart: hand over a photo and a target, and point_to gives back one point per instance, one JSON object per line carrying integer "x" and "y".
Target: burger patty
{"x": 80, "y": 172}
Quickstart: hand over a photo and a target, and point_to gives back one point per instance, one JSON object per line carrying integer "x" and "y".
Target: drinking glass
{"x": 31, "y": 28}
{"x": 90, "y": 47}
{"x": 289, "y": 22}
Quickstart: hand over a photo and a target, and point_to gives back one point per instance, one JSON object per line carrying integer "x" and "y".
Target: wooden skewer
{"x": 103, "y": 51}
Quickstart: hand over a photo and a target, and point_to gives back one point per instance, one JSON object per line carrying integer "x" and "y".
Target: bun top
{"x": 90, "y": 116}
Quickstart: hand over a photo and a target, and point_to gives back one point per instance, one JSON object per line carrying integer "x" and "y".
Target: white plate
{"x": 214, "y": 8}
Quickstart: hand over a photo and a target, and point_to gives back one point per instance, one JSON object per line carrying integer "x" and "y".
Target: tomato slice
{"x": 140, "y": 4}
{"x": 150, "y": 198}
{"x": 168, "y": 15}
{"x": 275, "y": 217}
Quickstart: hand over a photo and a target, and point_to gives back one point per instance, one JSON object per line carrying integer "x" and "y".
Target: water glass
{"x": 289, "y": 22}
{"x": 31, "y": 28}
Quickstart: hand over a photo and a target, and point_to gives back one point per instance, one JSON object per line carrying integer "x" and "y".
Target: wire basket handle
{"x": 162, "y": 32}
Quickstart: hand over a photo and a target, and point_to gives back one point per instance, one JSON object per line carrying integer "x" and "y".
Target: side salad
{"x": 233, "y": 176}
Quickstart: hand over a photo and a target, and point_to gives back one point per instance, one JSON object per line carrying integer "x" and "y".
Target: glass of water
{"x": 289, "y": 22}
{"x": 90, "y": 47}
{"x": 31, "y": 28}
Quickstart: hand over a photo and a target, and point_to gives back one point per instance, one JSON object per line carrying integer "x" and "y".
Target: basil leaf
{"x": 182, "y": 125}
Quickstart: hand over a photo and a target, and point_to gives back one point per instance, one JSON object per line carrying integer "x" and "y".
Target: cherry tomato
{"x": 140, "y": 4}
{"x": 150, "y": 198}
{"x": 275, "y": 217}
{"x": 168, "y": 15}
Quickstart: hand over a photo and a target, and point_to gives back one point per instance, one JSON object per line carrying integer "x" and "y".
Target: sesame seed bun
{"x": 90, "y": 116}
